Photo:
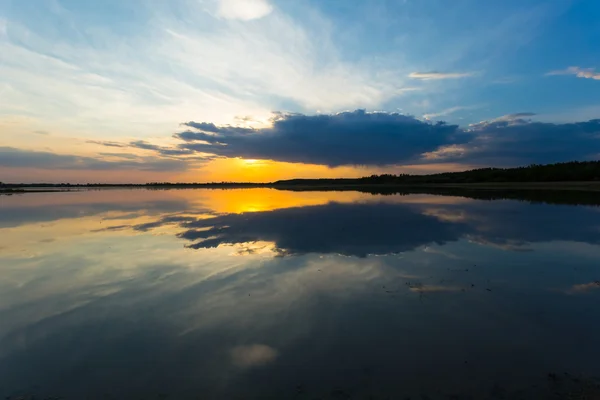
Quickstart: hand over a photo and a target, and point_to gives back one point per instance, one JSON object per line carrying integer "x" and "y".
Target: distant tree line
{"x": 560, "y": 172}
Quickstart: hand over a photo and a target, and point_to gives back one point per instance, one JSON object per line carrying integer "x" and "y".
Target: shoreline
{"x": 559, "y": 186}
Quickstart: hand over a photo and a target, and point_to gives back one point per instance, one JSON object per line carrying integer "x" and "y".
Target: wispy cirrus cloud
{"x": 434, "y": 75}
{"x": 106, "y": 143}
{"x": 164, "y": 151}
{"x": 17, "y": 158}
{"x": 449, "y": 111}
{"x": 235, "y": 57}
{"x": 587, "y": 73}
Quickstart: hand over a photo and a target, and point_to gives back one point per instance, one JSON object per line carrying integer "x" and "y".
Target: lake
{"x": 272, "y": 294}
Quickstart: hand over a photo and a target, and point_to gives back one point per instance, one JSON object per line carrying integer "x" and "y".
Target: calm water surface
{"x": 266, "y": 294}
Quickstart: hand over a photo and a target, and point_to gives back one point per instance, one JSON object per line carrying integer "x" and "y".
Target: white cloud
{"x": 3, "y": 28}
{"x": 587, "y": 73}
{"x": 426, "y": 76}
{"x": 514, "y": 119}
{"x": 449, "y": 111}
{"x": 444, "y": 152}
{"x": 283, "y": 59}
{"x": 174, "y": 69}
{"x": 244, "y": 10}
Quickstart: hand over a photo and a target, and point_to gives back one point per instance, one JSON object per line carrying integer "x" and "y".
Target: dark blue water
{"x": 265, "y": 294}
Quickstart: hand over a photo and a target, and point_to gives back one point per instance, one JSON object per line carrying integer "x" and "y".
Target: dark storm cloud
{"x": 516, "y": 141}
{"x": 348, "y": 138}
{"x": 363, "y": 138}
{"x": 17, "y": 158}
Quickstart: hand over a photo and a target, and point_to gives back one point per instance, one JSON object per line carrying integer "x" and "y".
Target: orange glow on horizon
{"x": 257, "y": 171}
{"x": 219, "y": 170}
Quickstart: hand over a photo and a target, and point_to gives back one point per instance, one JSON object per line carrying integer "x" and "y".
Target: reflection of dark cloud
{"x": 513, "y": 222}
{"x": 182, "y": 334}
{"x": 348, "y": 229}
{"x": 179, "y": 323}
{"x": 379, "y": 228}
{"x": 171, "y": 219}
{"x": 354, "y": 137}
{"x": 16, "y": 158}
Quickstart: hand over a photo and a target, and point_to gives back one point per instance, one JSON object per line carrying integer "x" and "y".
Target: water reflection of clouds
{"x": 359, "y": 225}
{"x": 385, "y": 228}
{"x": 347, "y": 229}
{"x": 215, "y": 313}
{"x": 48, "y": 207}
{"x": 512, "y": 224}
{"x": 129, "y": 298}
{"x": 583, "y": 288}
{"x": 254, "y": 355}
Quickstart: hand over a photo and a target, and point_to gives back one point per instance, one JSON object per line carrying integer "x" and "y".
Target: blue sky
{"x": 75, "y": 75}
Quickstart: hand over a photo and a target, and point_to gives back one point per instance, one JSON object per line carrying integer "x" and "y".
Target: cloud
{"x": 347, "y": 138}
{"x": 515, "y": 116}
{"x": 254, "y": 355}
{"x": 106, "y": 143}
{"x": 514, "y": 119}
{"x": 128, "y": 156}
{"x": 449, "y": 111}
{"x": 587, "y": 73}
{"x": 168, "y": 152}
{"x": 244, "y": 10}
{"x": 41, "y": 132}
{"x": 516, "y": 140}
{"x": 169, "y": 67}
{"x": 427, "y": 76}
{"x": 165, "y": 151}
{"x": 17, "y": 158}
{"x": 380, "y": 138}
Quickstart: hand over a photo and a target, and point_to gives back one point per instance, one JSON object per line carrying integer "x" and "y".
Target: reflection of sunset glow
{"x": 262, "y": 199}
{"x": 255, "y": 248}
{"x": 255, "y": 200}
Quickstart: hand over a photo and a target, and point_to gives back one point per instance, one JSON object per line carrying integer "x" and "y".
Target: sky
{"x": 260, "y": 90}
